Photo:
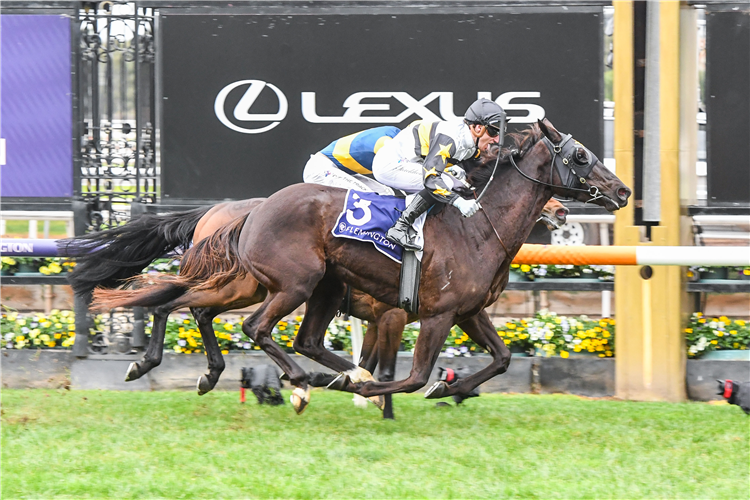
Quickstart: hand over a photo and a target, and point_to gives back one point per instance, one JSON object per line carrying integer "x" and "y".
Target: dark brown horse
{"x": 385, "y": 323}
{"x": 287, "y": 246}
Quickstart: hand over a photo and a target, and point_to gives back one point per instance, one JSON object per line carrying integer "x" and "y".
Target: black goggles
{"x": 492, "y": 131}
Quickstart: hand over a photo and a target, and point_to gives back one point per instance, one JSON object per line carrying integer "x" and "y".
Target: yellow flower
{"x": 227, "y": 326}
{"x": 719, "y": 334}
{"x": 510, "y": 326}
{"x": 289, "y": 344}
{"x": 225, "y": 351}
{"x": 44, "y": 270}
{"x": 51, "y": 343}
{"x": 21, "y": 322}
{"x": 735, "y": 345}
{"x": 58, "y": 335}
{"x": 608, "y": 353}
{"x": 601, "y": 355}
{"x": 732, "y": 332}
{"x": 20, "y": 338}
{"x": 217, "y": 320}
{"x": 740, "y": 322}
{"x": 702, "y": 320}
{"x": 46, "y": 324}
{"x": 605, "y": 335}
{"x": 507, "y": 341}
{"x": 501, "y": 333}
{"x": 458, "y": 341}
{"x": 548, "y": 336}
{"x": 186, "y": 321}
{"x": 688, "y": 330}
{"x": 177, "y": 348}
{"x": 699, "y": 314}
{"x": 564, "y": 354}
{"x": 284, "y": 337}
{"x": 558, "y": 321}
{"x": 724, "y": 319}
{"x": 256, "y": 348}
{"x": 525, "y": 268}
{"x": 611, "y": 322}
{"x": 298, "y": 319}
{"x": 714, "y": 342}
{"x": 181, "y": 330}
{"x": 515, "y": 266}
{"x": 282, "y": 328}
{"x": 58, "y": 325}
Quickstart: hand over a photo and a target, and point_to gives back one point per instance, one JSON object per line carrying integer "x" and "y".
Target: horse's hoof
{"x": 359, "y": 374}
{"x": 300, "y": 398}
{"x": 203, "y": 385}
{"x": 437, "y": 390}
{"x": 378, "y": 401}
{"x": 132, "y": 373}
{"x": 339, "y": 383}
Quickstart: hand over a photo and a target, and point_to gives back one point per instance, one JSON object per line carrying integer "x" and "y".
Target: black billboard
{"x": 246, "y": 98}
{"x": 728, "y": 106}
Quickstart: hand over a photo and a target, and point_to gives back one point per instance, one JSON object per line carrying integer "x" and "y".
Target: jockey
{"x": 414, "y": 161}
{"x": 345, "y": 162}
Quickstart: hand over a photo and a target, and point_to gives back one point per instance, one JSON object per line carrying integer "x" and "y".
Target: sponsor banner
{"x": 28, "y": 248}
{"x": 248, "y": 98}
{"x": 36, "y": 106}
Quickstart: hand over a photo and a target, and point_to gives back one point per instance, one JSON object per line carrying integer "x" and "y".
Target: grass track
{"x": 105, "y": 444}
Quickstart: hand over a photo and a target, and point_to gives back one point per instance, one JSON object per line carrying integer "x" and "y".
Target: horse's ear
{"x": 549, "y": 130}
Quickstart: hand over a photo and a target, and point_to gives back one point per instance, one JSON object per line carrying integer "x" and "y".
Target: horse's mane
{"x": 522, "y": 142}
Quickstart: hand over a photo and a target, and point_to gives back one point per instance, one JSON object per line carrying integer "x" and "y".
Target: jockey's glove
{"x": 466, "y": 207}
{"x": 457, "y": 172}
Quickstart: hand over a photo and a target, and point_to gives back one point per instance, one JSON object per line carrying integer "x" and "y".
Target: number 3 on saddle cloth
{"x": 367, "y": 217}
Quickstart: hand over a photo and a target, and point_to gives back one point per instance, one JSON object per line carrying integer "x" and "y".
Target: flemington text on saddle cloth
{"x": 367, "y": 217}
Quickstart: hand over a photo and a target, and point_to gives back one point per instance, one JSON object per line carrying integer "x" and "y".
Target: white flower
{"x": 181, "y": 343}
{"x": 568, "y": 338}
{"x": 246, "y": 345}
{"x": 576, "y": 341}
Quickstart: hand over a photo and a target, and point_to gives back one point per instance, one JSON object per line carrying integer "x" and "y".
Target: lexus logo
{"x": 242, "y": 110}
{"x": 358, "y": 104}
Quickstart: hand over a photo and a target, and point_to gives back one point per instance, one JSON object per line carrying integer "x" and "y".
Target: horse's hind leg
{"x": 390, "y": 328}
{"x": 153, "y": 355}
{"x": 204, "y": 316}
{"x": 259, "y": 327}
{"x": 481, "y": 330}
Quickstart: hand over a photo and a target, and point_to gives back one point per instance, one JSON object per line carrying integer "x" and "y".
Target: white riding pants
{"x": 321, "y": 170}
{"x": 392, "y": 169}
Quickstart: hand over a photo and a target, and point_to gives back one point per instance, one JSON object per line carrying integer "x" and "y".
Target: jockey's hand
{"x": 466, "y": 207}
{"x": 457, "y": 172}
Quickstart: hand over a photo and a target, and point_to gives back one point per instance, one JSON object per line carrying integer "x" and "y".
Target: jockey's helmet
{"x": 488, "y": 113}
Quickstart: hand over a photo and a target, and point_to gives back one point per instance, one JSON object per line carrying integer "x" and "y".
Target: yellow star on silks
{"x": 445, "y": 152}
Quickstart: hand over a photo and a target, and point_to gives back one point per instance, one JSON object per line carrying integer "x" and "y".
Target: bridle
{"x": 573, "y": 170}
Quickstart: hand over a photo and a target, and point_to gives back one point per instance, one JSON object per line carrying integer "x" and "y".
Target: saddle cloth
{"x": 368, "y": 216}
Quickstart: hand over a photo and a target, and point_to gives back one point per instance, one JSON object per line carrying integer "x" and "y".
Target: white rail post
{"x": 357, "y": 340}
{"x": 606, "y": 294}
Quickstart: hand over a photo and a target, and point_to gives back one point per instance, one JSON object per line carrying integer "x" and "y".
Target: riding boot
{"x": 399, "y": 233}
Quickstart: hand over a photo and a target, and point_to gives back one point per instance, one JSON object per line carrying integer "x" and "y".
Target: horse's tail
{"x": 213, "y": 262}
{"x": 106, "y": 257}
{"x": 156, "y": 290}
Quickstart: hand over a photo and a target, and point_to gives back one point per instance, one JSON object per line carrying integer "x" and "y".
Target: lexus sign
{"x": 248, "y": 98}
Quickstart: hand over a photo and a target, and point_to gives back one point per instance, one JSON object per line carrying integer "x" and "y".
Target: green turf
{"x": 20, "y": 228}
{"x": 177, "y": 445}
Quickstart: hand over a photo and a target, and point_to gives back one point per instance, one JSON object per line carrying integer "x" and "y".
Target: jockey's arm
{"x": 442, "y": 148}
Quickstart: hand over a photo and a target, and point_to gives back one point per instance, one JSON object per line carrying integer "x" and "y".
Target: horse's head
{"x": 579, "y": 173}
{"x": 554, "y": 214}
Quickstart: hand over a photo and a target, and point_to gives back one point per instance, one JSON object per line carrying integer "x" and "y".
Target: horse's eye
{"x": 581, "y": 156}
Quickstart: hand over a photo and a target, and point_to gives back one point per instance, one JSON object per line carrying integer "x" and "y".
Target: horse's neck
{"x": 513, "y": 208}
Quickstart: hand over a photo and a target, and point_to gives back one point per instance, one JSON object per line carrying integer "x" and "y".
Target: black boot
{"x": 399, "y": 233}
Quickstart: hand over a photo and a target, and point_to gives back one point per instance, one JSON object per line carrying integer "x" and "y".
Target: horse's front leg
{"x": 481, "y": 330}
{"x": 433, "y": 332}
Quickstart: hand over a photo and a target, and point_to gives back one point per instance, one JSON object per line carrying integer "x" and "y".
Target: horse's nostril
{"x": 623, "y": 193}
{"x": 561, "y": 212}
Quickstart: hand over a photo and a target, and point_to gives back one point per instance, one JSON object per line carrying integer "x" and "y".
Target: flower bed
{"x": 546, "y": 334}
{"x": 46, "y": 266}
{"x": 715, "y": 334}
